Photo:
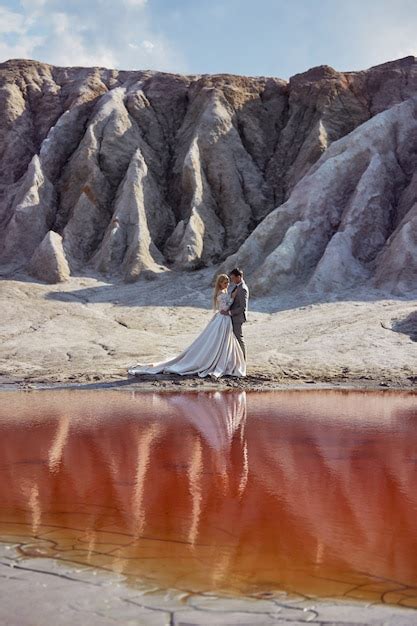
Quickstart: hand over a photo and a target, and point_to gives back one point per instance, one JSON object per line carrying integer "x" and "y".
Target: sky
{"x": 250, "y": 37}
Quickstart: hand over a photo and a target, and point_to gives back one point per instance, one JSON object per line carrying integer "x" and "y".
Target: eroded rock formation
{"x": 352, "y": 217}
{"x": 49, "y": 262}
{"x": 311, "y": 180}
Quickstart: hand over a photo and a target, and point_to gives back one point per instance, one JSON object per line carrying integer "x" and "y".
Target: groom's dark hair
{"x": 236, "y": 272}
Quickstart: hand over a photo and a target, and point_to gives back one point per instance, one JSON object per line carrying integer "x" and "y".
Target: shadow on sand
{"x": 194, "y": 292}
{"x": 406, "y": 326}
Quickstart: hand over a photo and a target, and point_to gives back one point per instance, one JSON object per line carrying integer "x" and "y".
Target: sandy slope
{"x": 87, "y": 330}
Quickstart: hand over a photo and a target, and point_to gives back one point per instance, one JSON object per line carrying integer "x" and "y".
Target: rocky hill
{"x": 310, "y": 182}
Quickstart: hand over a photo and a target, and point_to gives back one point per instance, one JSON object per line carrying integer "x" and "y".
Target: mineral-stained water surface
{"x": 310, "y": 492}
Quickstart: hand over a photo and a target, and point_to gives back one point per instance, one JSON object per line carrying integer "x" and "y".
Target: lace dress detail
{"x": 223, "y": 302}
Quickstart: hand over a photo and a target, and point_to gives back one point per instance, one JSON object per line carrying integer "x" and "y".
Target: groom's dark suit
{"x": 238, "y": 310}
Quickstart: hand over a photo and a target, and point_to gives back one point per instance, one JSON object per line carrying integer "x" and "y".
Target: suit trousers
{"x": 237, "y": 330}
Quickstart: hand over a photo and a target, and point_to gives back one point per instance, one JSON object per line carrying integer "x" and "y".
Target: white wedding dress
{"x": 216, "y": 351}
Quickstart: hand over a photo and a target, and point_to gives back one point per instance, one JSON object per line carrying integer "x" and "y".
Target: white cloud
{"x": 11, "y": 22}
{"x": 32, "y": 4}
{"x": 24, "y": 49}
{"x": 107, "y": 33}
{"x": 135, "y": 3}
{"x": 19, "y": 43}
{"x": 148, "y": 45}
{"x": 411, "y": 51}
{"x": 389, "y": 42}
{"x": 69, "y": 47}
{"x": 60, "y": 23}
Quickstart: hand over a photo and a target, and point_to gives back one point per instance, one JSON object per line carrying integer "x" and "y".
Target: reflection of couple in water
{"x": 220, "y": 349}
{"x": 207, "y": 491}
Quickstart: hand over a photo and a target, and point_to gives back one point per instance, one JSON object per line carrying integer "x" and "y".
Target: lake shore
{"x": 87, "y": 332}
{"x": 78, "y": 592}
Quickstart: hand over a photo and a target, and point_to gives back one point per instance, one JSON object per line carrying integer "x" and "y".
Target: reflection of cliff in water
{"x": 299, "y": 491}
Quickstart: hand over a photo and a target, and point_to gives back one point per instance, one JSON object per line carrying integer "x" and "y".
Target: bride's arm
{"x": 223, "y": 303}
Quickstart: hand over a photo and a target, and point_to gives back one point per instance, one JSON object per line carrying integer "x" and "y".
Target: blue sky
{"x": 251, "y": 37}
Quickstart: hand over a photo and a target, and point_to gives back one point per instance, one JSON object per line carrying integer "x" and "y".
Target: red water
{"x": 308, "y": 492}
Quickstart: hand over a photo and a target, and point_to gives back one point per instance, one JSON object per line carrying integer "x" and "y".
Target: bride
{"x": 216, "y": 351}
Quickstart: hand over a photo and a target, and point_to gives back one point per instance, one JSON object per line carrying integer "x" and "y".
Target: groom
{"x": 239, "y": 306}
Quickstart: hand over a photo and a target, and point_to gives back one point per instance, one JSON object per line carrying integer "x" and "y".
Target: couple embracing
{"x": 220, "y": 349}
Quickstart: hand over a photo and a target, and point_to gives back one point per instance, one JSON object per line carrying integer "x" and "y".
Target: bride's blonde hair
{"x": 221, "y": 278}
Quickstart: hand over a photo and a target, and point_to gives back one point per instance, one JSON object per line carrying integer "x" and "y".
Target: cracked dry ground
{"x": 208, "y": 508}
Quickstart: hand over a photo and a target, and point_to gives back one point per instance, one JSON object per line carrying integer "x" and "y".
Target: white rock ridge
{"x": 341, "y": 226}
{"x": 310, "y": 181}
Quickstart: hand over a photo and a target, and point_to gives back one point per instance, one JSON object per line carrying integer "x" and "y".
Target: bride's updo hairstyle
{"x": 220, "y": 280}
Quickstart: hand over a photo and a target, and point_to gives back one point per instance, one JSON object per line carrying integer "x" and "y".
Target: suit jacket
{"x": 239, "y": 307}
